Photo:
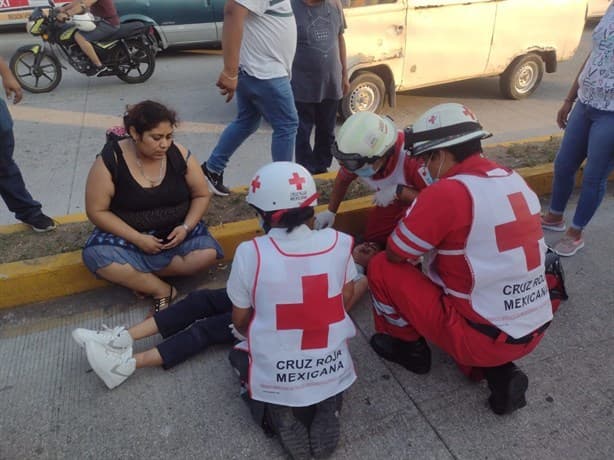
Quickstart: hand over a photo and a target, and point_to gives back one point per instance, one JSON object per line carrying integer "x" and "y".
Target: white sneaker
{"x": 113, "y": 368}
{"x": 117, "y": 339}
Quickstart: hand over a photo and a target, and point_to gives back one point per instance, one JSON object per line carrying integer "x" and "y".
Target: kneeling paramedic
{"x": 483, "y": 296}
{"x": 290, "y": 289}
{"x": 371, "y": 149}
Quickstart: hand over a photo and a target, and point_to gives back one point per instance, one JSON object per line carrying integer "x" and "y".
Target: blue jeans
{"x": 12, "y": 187}
{"x": 589, "y": 134}
{"x": 323, "y": 116}
{"x": 256, "y": 98}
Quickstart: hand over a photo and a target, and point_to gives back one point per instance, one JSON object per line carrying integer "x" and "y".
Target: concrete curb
{"x": 55, "y": 276}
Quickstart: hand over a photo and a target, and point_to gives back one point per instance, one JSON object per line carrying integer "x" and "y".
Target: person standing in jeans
{"x": 589, "y": 135}
{"x": 12, "y": 187}
{"x": 319, "y": 78}
{"x": 259, "y": 41}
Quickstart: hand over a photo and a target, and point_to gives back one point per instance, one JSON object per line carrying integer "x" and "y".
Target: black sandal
{"x": 164, "y": 302}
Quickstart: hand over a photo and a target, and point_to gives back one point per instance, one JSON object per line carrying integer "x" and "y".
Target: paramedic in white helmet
{"x": 483, "y": 297}
{"x": 290, "y": 290}
{"x": 371, "y": 149}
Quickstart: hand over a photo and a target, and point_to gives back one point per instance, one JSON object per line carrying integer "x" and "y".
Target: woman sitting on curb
{"x": 146, "y": 195}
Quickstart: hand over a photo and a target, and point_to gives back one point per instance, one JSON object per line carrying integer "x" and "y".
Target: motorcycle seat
{"x": 125, "y": 30}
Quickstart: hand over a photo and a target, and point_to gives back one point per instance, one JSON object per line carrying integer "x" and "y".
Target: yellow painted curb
{"x": 55, "y": 276}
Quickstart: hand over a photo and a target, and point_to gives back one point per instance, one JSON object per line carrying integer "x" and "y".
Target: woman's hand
{"x": 563, "y": 114}
{"x": 176, "y": 237}
{"x": 149, "y": 244}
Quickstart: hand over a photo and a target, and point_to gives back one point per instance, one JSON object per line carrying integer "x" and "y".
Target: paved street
{"x": 58, "y": 133}
{"x": 53, "y": 406}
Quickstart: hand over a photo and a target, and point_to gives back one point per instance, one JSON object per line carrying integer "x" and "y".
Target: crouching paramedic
{"x": 371, "y": 149}
{"x": 290, "y": 289}
{"x": 483, "y": 296}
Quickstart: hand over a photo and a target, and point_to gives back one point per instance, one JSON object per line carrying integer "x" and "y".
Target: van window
{"x": 359, "y": 3}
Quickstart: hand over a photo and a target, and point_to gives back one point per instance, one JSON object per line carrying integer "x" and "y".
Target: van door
{"x": 375, "y": 33}
{"x": 447, "y": 40}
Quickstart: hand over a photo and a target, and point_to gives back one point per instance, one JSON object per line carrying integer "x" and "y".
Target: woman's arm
{"x": 572, "y": 95}
{"x": 241, "y": 318}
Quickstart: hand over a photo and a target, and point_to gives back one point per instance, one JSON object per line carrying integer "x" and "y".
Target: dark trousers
{"x": 12, "y": 187}
{"x": 322, "y": 115}
{"x": 192, "y": 324}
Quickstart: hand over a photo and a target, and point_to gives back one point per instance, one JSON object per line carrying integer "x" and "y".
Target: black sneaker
{"x": 508, "y": 386}
{"x": 293, "y": 434}
{"x": 325, "y": 428}
{"x": 41, "y": 223}
{"x": 414, "y": 356}
{"x": 216, "y": 181}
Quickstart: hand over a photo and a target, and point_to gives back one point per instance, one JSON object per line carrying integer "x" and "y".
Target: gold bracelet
{"x": 229, "y": 77}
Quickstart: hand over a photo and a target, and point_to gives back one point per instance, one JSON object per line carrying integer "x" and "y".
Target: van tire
{"x": 522, "y": 76}
{"x": 366, "y": 94}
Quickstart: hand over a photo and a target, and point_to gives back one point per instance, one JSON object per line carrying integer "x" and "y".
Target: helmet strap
{"x": 277, "y": 215}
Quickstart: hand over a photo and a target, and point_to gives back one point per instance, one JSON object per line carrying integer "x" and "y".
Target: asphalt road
{"x": 58, "y": 133}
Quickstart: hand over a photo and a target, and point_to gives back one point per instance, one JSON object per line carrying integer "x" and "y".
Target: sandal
{"x": 164, "y": 302}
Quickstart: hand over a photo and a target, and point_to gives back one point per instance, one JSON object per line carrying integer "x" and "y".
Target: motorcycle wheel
{"x": 34, "y": 78}
{"x": 139, "y": 65}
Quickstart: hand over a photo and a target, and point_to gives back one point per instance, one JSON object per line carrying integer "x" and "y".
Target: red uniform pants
{"x": 407, "y": 305}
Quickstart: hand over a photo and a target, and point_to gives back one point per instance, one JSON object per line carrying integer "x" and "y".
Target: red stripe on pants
{"x": 432, "y": 314}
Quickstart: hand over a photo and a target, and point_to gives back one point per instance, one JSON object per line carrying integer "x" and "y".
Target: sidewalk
{"x": 53, "y": 406}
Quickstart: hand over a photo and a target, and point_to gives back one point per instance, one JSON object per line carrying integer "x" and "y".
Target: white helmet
{"x": 443, "y": 126}
{"x": 282, "y": 185}
{"x": 366, "y": 135}
{"x": 84, "y": 22}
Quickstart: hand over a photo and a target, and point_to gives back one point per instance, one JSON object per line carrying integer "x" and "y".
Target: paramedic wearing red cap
{"x": 371, "y": 149}
{"x": 483, "y": 297}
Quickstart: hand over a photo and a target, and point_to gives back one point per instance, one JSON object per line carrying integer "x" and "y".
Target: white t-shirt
{"x": 243, "y": 273}
{"x": 269, "y": 39}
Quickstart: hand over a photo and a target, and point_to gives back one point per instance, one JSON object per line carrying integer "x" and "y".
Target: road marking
{"x": 97, "y": 120}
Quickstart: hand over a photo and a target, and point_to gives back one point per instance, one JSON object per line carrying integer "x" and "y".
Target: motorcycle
{"x": 129, "y": 53}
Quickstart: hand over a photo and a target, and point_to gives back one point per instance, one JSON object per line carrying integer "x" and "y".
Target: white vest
{"x": 505, "y": 251}
{"x": 298, "y": 335}
{"x": 397, "y": 176}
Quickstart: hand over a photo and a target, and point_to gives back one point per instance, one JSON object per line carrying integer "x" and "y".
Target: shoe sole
{"x": 44, "y": 230}
{"x": 554, "y": 228}
{"x": 420, "y": 369}
{"x": 515, "y": 396}
{"x": 293, "y": 435}
{"x": 214, "y": 190}
{"x": 325, "y": 428}
{"x": 569, "y": 254}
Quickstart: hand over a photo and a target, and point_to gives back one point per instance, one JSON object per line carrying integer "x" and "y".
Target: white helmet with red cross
{"x": 282, "y": 185}
{"x": 443, "y": 126}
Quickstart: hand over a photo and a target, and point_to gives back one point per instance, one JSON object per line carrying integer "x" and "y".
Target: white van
{"x": 397, "y": 45}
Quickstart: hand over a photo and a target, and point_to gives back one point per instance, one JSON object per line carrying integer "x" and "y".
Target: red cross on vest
{"x": 468, "y": 112}
{"x": 297, "y": 180}
{"x": 315, "y": 315}
{"x": 433, "y": 119}
{"x": 255, "y": 184}
{"x": 524, "y": 232}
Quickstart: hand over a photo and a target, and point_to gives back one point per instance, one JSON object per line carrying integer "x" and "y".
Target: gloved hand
{"x": 237, "y": 335}
{"x": 385, "y": 197}
{"x": 324, "y": 219}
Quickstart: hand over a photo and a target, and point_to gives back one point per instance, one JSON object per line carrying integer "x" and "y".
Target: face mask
{"x": 426, "y": 174}
{"x": 365, "y": 171}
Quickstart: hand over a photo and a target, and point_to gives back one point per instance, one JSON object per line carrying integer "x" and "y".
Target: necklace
{"x": 152, "y": 182}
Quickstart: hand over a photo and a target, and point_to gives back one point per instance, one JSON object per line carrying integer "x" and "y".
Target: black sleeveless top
{"x": 156, "y": 209}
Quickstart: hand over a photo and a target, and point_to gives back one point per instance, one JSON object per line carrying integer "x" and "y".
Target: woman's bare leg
{"x": 190, "y": 264}
{"x": 145, "y": 328}
{"x": 149, "y": 358}
{"x": 127, "y": 276}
